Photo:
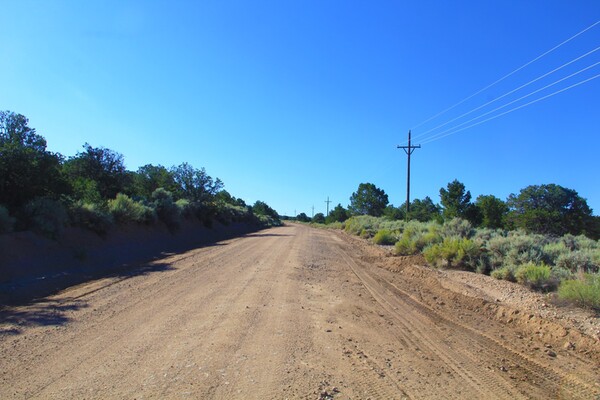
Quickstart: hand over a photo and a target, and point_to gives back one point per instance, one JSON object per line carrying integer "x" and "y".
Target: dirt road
{"x": 289, "y": 312}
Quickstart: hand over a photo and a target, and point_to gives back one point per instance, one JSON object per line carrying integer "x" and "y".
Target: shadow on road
{"x": 120, "y": 259}
{"x": 55, "y": 312}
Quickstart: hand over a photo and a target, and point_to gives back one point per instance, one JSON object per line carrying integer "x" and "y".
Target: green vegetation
{"x": 46, "y": 192}
{"x": 535, "y": 276}
{"x": 384, "y": 237}
{"x": 538, "y": 261}
{"x": 453, "y": 252}
{"x": 584, "y": 291}
{"x": 368, "y": 200}
{"x": 550, "y": 209}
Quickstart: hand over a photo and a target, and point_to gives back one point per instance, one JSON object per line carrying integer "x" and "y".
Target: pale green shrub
{"x": 124, "y": 210}
{"x": 166, "y": 209}
{"x": 90, "y": 216}
{"x": 506, "y": 273}
{"x": 186, "y": 208}
{"x": 384, "y": 237}
{"x": 536, "y": 276}
{"x": 585, "y": 291}
{"x": 579, "y": 260}
{"x": 453, "y": 253}
{"x": 46, "y": 216}
{"x": 457, "y": 227}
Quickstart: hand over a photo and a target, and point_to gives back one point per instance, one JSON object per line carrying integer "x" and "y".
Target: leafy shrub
{"x": 46, "y": 216}
{"x": 506, "y": 273}
{"x": 124, "y": 210}
{"x": 268, "y": 221}
{"x": 535, "y": 276}
{"x": 457, "y": 227}
{"x": 416, "y": 237}
{"x": 186, "y": 208}
{"x": 391, "y": 225}
{"x": 585, "y": 291}
{"x": 355, "y": 225}
{"x": 516, "y": 248}
{"x": 90, "y": 216}
{"x": 166, "y": 210}
{"x": 384, "y": 237}
{"x": 6, "y": 221}
{"x": 580, "y": 260}
{"x": 580, "y": 242}
{"x": 486, "y": 234}
{"x": 228, "y": 213}
{"x": 367, "y": 233}
{"x": 561, "y": 274}
{"x": 554, "y": 250}
{"x": 406, "y": 246}
{"x": 453, "y": 253}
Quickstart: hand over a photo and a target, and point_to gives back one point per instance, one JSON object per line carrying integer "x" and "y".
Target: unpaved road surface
{"x": 289, "y": 312}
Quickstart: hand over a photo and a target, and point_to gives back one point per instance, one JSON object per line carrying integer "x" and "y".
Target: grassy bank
{"x": 568, "y": 264}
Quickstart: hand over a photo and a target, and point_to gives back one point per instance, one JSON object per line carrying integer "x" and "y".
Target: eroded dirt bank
{"x": 289, "y": 312}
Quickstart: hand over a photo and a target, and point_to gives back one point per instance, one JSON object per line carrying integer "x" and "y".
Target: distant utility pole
{"x": 327, "y": 215}
{"x": 313, "y": 212}
{"x": 408, "y": 150}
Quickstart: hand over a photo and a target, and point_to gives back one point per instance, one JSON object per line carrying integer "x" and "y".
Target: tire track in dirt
{"x": 418, "y": 321}
{"x": 289, "y": 312}
{"x": 123, "y": 306}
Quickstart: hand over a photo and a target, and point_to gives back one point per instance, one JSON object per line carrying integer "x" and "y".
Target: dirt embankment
{"x": 34, "y": 266}
{"x": 286, "y": 313}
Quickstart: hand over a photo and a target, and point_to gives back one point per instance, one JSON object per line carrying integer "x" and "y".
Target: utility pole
{"x": 327, "y": 215}
{"x": 313, "y": 212}
{"x": 408, "y": 150}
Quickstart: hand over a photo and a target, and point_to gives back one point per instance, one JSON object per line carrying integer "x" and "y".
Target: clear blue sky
{"x": 293, "y": 101}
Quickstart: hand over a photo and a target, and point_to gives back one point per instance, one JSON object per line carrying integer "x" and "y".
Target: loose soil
{"x": 295, "y": 312}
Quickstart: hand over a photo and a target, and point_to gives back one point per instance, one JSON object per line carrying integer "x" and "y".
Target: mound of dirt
{"x": 558, "y": 324}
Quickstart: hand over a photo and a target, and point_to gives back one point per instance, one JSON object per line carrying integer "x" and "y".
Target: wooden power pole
{"x": 408, "y": 150}
{"x": 327, "y": 201}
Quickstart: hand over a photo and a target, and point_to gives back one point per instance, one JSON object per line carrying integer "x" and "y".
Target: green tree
{"x": 492, "y": 211}
{"x": 195, "y": 184}
{"x": 262, "y": 208}
{"x": 368, "y": 200}
{"x": 103, "y": 166}
{"x": 150, "y": 177}
{"x": 224, "y": 196}
{"x": 550, "y": 209}
{"x": 302, "y": 217}
{"x": 456, "y": 201}
{"x": 27, "y": 169}
{"x": 423, "y": 210}
{"x": 395, "y": 213}
{"x": 319, "y": 218}
{"x": 338, "y": 214}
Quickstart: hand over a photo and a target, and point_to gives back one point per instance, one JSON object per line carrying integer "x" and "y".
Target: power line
{"x": 509, "y": 93}
{"x": 507, "y": 75}
{"x": 516, "y": 108}
{"x": 429, "y": 139}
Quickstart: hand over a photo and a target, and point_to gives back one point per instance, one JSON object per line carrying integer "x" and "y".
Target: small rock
{"x": 503, "y": 369}
{"x": 569, "y": 346}
{"x": 548, "y": 346}
{"x": 551, "y": 353}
